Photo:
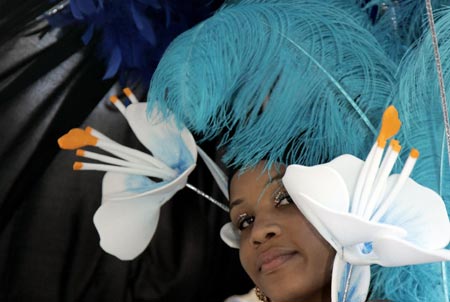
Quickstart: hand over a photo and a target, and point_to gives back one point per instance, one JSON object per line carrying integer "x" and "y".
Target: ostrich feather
{"x": 314, "y": 75}
{"x": 398, "y": 23}
{"x": 418, "y": 100}
{"x": 418, "y": 283}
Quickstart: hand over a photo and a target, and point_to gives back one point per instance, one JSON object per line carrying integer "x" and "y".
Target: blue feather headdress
{"x": 309, "y": 91}
{"x": 300, "y": 82}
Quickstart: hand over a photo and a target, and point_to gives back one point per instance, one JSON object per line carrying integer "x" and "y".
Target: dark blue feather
{"x": 86, "y": 7}
{"x": 75, "y": 11}
{"x": 87, "y": 36}
{"x": 143, "y": 24}
{"x": 141, "y": 29}
{"x": 152, "y": 3}
{"x": 114, "y": 63}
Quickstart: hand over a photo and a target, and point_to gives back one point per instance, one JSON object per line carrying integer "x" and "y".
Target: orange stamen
{"x": 127, "y": 91}
{"x": 76, "y": 138}
{"x": 113, "y": 99}
{"x": 395, "y": 145}
{"x": 414, "y": 153}
{"x": 88, "y": 130}
{"x": 77, "y": 165}
{"x": 381, "y": 142}
{"x": 390, "y": 125}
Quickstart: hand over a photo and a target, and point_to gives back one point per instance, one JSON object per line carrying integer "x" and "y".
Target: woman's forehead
{"x": 259, "y": 173}
{"x": 253, "y": 181}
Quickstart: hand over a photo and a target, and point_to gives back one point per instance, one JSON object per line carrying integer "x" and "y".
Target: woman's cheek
{"x": 247, "y": 263}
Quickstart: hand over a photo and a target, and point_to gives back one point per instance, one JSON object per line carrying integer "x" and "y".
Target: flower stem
{"x": 203, "y": 194}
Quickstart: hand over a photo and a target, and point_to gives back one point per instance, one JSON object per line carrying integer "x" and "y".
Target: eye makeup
{"x": 281, "y": 197}
{"x": 244, "y": 221}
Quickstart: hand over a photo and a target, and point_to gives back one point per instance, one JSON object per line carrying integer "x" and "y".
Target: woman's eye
{"x": 282, "y": 199}
{"x": 245, "y": 221}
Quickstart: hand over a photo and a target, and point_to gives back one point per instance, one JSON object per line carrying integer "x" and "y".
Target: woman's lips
{"x": 272, "y": 259}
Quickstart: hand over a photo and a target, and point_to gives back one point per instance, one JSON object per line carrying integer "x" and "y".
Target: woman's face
{"x": 279, "y": 249}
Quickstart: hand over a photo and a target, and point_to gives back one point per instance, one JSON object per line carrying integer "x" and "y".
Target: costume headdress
{"x": 300, "y": 82}
{"x": 249, "y": 113}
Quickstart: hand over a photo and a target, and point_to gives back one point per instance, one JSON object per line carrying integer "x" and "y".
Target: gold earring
{"x": 261, "y": 295}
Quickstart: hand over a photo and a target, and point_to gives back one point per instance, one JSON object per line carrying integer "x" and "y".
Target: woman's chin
{"x": 290, "y": 282}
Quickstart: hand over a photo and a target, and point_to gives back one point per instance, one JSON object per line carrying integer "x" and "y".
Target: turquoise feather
{"x": 418, "y": 100}
{"x": 315, "y": 63}
{"x": 399, "y": 23}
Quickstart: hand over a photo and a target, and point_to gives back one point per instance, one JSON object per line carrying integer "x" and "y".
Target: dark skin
{"x": 279, "y": 249}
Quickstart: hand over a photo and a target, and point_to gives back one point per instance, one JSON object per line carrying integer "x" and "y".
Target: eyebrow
{"x": 276, "y": 178}
{"x": 238, "y": 201}
{"x": 235, "y": 203}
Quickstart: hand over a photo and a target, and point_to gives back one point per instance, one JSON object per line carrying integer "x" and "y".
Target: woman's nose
{"x": 264, "y": 229}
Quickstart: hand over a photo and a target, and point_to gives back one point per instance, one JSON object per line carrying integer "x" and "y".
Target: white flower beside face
{"x": 369, "y": 216}
{"x": 128, "y": 216}
{"x": 414, "y": 228}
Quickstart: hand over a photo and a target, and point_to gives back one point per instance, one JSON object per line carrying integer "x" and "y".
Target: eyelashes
{"x": 282, "y": 198}
{"x": 245, "y": 220}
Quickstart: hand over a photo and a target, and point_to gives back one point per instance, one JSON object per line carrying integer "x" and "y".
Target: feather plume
{"x": 418, "y": 100}
{"x": 398, "y": 24}
{"x": 314, "y": 75}
{"x": 418, "y": 283}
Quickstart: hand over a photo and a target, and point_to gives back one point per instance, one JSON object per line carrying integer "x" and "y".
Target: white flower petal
{"x": 393, "y": 251}
{"x": 355, "y": 255}
{"x": 326, "y": 208}
{"x": 421, "y": 212}
{"x": 321, "y": 183}
{"x": 349, "y": 168}
{"x": 351, "y": 281}
{"x": 230, "y": 235}
{"x": 121, "y": 186}
{"x": 126, "y": 227}
{"x": 127, "y": 218}
{"x": 174, "y": 146}
{"x": 342, "y": 229}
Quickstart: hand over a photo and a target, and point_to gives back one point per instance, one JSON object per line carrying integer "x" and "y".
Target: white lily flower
{"x": 131, "y": 201}
{"x": 415, "y": 228}
{"x": 370, "y": 217}
{"x": 129, "y": 214}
